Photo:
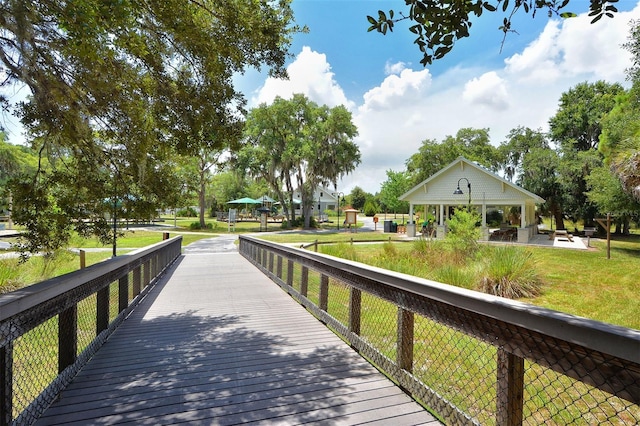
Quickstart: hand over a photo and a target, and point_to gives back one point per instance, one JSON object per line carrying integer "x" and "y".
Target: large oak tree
{"x": 117, "y": 88}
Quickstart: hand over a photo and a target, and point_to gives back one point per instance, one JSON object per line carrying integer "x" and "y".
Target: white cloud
{"x": 488, "y": 90}
{"x": 311, "y": 75}
{"x": 397, "y": 90}
{"x": 396, "y": 68}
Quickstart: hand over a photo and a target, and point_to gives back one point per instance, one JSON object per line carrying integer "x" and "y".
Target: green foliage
{"x": 397, "y": 183}
{"x": 454, "y": 275}
{"x": 358, "y": 198}
{"x": 511, "y": 272}
{"x": 298, "y": 145}
{"x": 462, "y": 236}
{"x": 370, "y": 208}
{"x": 494, "y": 218}
{"x": 473, "y": 144}
{"x": 118, "y": 88}
{"x": 196, "y": 226}
{"x": 341, "y": 250}
{"x": 187, "y": 212}
{"x": 520, "y": 141}
{"x": 437, "y": 25}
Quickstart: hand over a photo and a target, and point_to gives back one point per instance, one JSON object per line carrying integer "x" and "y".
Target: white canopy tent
{"x": 463, "y": 182}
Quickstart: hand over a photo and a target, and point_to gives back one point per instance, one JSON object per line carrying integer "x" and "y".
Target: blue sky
{"x": 397, "y": 103}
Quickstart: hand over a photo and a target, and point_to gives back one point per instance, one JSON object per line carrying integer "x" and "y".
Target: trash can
{"x": 394, "y": 227}
{"x": 387, "y": 225}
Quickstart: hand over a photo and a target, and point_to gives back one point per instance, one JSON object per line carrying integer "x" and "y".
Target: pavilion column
{"x": 523, "y": 216}
{"x": 484, "y": 228}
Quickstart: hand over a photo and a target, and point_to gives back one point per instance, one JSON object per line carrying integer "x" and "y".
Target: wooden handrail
{"x": 601, "y": 355}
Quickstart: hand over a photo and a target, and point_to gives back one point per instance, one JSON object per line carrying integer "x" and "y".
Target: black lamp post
{"x": 458, "y": 191}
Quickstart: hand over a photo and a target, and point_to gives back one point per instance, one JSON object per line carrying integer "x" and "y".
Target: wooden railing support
{"x": 279, "y": 267}
{"x": 323, "y": 302}
{"x": 123, "y": 293}
{"x": 67, "y": 337}
{"x": 6, "y": 384}
{"x": 137, "y": 281}
{"x": 510, "y": 388}
{"x": 304, "y": 282}
{"x": 405, "y": 339}
{"x": 102, "y": 310}
{"x": 290, "y": 273}
{"x": 355, "y": 309}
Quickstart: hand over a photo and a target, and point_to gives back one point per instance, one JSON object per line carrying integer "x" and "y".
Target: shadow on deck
{"x": 217, "y": 342}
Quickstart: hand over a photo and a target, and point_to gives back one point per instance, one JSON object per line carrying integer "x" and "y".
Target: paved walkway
{"x": 216, "y": 342}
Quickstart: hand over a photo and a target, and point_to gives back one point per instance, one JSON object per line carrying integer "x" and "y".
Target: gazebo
{"x": 464, "y": 183}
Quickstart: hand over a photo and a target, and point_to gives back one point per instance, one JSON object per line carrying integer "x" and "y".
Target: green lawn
{"x": 579, "y": 282}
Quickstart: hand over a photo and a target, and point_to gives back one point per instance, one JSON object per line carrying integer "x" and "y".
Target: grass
{"x": 15, "y": 275}
{"x": 578, "y": 282}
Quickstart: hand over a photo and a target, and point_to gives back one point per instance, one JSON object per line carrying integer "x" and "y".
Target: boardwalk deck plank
{"x": 216, "y": 342}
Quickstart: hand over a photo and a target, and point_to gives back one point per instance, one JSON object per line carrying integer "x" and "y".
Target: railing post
{"x": 323, "y": 302}
{"x": 290, "y": 273}
{"x": 510, "y": 388}
{"x": 123, "y": 292}
{"x": 270, "y": 261}
{"x": 6, "y": 384}
{"x": 67, "y": 337}
{"x": 304, "y": 282}
{"x": 355, "y": 307}
{"x": 102, "y": 309}
{"x": 83, "y": 259}
{"x": 405, "y": 339}
{"x": 147, "y": 272}
{"x": 279, "y": 267}
{"x": 137, "y": 281}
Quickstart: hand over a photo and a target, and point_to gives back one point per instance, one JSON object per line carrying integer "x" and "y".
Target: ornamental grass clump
{"x": 510, "y": 272}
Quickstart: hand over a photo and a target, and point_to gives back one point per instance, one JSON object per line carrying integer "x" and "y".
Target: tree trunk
{"x": 201, "y": 201}
{"x": 557, "y": 213}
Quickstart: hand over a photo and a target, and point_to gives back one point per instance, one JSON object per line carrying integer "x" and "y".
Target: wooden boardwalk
{"x": 216, "y": 343}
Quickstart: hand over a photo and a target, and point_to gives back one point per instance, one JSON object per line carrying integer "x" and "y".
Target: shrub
{"x": 369, "y": 208}
{"x": 463, "y": 234}
{"x": 510, "y": 271}
{"x": 187, "y": 212}
{"x": 196, "y": 225}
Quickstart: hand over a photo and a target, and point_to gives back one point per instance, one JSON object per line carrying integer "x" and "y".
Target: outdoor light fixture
{"x": 458, "y": 191}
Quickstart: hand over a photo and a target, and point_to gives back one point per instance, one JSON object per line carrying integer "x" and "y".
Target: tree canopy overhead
{"x": 118, "y": 87}
{"x": 438, "y": 24}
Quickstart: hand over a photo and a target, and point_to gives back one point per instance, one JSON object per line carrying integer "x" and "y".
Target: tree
{"x": 620, "y": 138}
{"x": 541, "y": 176}
{"x": 358, "y": 198}
{"x": 577, "y": 124}
{"x": 473, "y": 144}
{"x": 576, "y": 128}
{"x": 296, "y": 144}
{"x": 106, "y": 77}
{"x": 520, "y": 141}
{"x": 397, "y": 183}
{"x": 605, "y": 190}
{"x": 438, "y": 24}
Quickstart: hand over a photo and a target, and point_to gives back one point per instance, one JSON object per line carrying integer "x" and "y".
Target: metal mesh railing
{"x": 470, "y": 358}
{"x": 49, "y": 330}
